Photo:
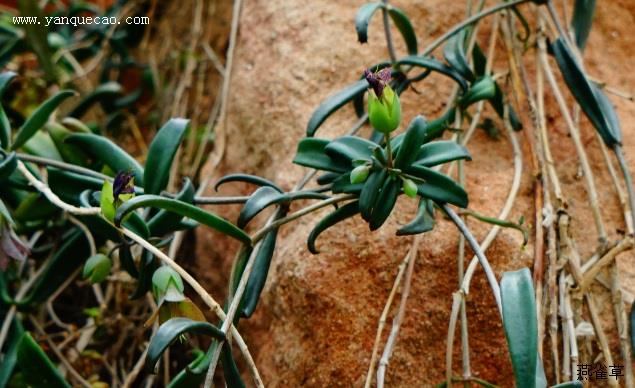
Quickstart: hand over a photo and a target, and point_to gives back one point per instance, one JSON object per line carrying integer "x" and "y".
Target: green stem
{"x": 499, "y": 222}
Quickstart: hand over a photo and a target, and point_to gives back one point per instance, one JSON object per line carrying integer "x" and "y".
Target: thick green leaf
{"x": 107, "y": 152}
{"x": 423, "y": 222}
{"x": 5, "y": 79}
{"x": 230, "y": 369}
{"x": 403, "y": 24}
{"x": 342, "y": 213}
{"x": 267, "y": 196}
{"x": 439, "y": 152}
{"x": 586, "y": 94}
{"x": 10, "y": 358}
{"x": 37, "y": 369}
{"x": 184, "y": 209}
{"x": 350, "y": 148}
{"x": 370, "y": 192}
{"x": 385, "y": 202}
{"x": 434, "y": 65}
{"x": 482, "y": 89}
{"x": 186, "y": 378}
{"x": 161, "y": 154}
{"x": 438, "y": 187}
{"x": 70, "y": 153}
{"x": 362, "y": 19}
{"x": 8, "y": 164}
{"x": 69, "y": 257}
{"x": 5, "y": 128}
{"x": 104, "y": 92}
{"x": 35, "y": 207}
{"x": 39, "y": 117}
{"x": 171, "y": 330}
{"x": 165, "y": 221}
{"x": 258, "y": 276}
{"x": 312, "y": 153}
{"x": 454, "y": 53}
{"x": 41, "y": 144}
{"x": 582, "y": 20}
{"x": 258, "y": 201}
{"x": 412, "y": 141}
{"x": 333, "y": 103}
{"x": 253, "y": 179}
{"x": 521, "y": 324}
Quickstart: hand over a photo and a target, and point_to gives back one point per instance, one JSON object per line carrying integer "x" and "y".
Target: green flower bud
{"x": 97, "y": 268}
{"x": 409, "y": 188}
{"x": 384, "y": 112}
{"x": 483, "y": 89}
{"x": 359, "y": 174}
{"x": 167, "y": 285}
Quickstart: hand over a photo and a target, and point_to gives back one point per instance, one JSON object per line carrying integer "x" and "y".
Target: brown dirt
{"x": 316, "y": 323}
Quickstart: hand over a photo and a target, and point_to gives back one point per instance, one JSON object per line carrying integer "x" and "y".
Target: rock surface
{"x": 316, "y": 323}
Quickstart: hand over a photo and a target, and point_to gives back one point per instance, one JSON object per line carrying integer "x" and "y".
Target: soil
{"x": 316, "y": 323}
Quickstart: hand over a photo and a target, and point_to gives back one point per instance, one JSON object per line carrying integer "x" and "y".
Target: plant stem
{"x": 293, "y": 216}
{"x": 628, "y": 179}
{"x": 471, "y": 20}
{"x": 489, "y": 273}
{"x": 389, "y": 42}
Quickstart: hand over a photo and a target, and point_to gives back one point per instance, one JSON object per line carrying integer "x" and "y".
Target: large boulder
{"x": 316, "y": 322}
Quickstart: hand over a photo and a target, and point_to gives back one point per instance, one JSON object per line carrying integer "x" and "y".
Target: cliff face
{"x": 316, "y": 323}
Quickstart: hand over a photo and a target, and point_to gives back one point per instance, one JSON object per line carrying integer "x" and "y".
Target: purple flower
{"x": 11, "y": 246}
{"x": 124, "y": 184}
{"x": 378, "y": 80}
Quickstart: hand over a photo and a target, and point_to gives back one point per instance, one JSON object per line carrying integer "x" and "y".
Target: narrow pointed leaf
{"x": 165, "y": 221}
{"x": 107, "y": 152}
{"x": 342, "y": 213}
{"x": 434, "y": 65}
{"x": 39, "y": 117}
{"x": 230, "y": 369}
{"x": 171, "y": 330}
{"x": 161, "y": 154}
{"x": 403, "y": 24}
{"x": 10, "y": 357}
{"x": 362, "y": 19}
{"x": 583, "y": 12}
{"x": 586, "y": 94}
{"x": 439, "y": 152}
{"x": 370, "y": 192}
{"x": 104, "y": 92}
{"x": 36, "y": 367}
{"x": 414, "y": 137}
{"x": 385, "y": 202}
{"x": 258, "y": 277}
{"x": 258, "y": 201}
{"x": 423, "y": 221}
{"x": 438, "y": 187}
{"x": 454, "y": 53}
{"x": 311, "y": 153}
{"x": 253, "y": 179}
{"x": 333, "y": 103}
{"x": 184, "y": 209}
{"x": 520, "y": 323}
{"x": 350, "y": 148}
